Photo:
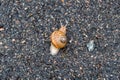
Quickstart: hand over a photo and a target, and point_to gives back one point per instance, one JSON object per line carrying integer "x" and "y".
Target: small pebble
{"x": 91, "y": 45}
{"x": 1, "y": 28}
{"x": 1, "y": 43}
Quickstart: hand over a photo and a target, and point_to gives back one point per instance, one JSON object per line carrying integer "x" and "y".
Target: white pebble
{"x": 91, "y": 45}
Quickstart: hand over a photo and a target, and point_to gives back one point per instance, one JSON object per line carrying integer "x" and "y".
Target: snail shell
{"x": 58, "y": 40}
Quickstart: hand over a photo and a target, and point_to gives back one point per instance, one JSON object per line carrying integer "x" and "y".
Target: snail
{"x": 58, "y": 40}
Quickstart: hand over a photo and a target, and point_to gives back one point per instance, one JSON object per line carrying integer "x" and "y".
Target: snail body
{"x": 58, "y": 40}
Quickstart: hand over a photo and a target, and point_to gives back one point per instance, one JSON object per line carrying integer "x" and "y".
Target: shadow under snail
{"x": 58, "y": 40}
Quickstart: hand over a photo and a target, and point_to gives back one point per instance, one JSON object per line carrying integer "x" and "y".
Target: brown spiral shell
{"x": 58, "y": 38}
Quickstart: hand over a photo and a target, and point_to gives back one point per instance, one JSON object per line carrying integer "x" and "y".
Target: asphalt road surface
{"x": 93, "y": 47}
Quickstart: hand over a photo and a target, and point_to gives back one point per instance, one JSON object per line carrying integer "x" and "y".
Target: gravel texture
{"x": 25, "y": 27}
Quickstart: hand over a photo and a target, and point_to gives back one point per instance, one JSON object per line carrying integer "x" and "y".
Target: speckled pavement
{"x": 25, "y": 27}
